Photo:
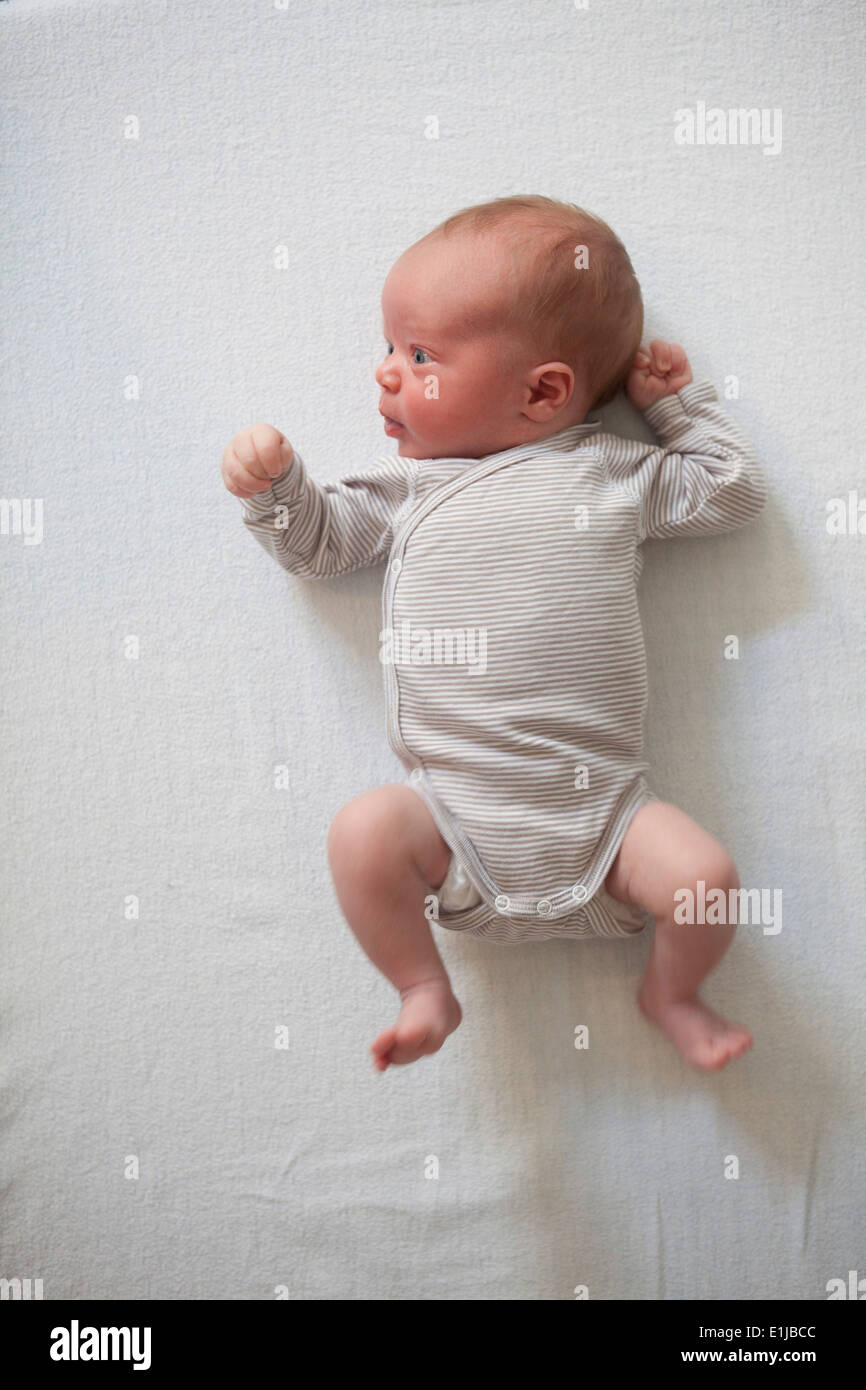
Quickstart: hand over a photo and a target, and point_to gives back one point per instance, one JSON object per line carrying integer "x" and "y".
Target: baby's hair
{"x": 590, "y": 317}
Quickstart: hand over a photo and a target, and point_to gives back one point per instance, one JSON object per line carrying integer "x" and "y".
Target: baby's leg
{"x": 664, "y": 851}
{"x": 386, "y": 854}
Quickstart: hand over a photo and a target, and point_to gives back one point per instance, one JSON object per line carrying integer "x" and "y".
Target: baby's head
{"x": 508, "y": 322}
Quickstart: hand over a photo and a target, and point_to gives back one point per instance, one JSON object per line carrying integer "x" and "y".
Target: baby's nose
{"x": 386, "y": 374}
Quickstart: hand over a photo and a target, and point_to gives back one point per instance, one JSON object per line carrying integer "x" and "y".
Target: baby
{"x": 513, "y": 656}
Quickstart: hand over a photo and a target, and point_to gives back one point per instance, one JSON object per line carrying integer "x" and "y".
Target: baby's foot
{"x": 429, "y": 1013}
{"x": 701, "y": 1036}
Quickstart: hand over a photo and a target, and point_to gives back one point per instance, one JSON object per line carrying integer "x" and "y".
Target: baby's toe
{"x": 384, "y": 1042}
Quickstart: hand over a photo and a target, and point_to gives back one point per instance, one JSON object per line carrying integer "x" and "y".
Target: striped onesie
{"x": 512, "y": 649}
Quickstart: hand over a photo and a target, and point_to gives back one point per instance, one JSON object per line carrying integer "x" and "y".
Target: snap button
{"x": 579, "y": 892}
{"x": 415, "y": 775}
{"x": 396, "y": 566}
{"x": 502, "y": 902}
{"x": 544, "y": 907}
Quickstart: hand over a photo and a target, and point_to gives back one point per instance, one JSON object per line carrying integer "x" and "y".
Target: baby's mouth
{"x": 391, "y": 425}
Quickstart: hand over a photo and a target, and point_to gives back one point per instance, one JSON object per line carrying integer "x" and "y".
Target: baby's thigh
{"x": 387, "y": 828}
{"x": 663, "y": 851}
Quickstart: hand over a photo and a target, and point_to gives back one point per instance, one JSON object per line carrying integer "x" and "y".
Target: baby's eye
{"x": 423, "y": 354}
{"x": 389, "y": 349}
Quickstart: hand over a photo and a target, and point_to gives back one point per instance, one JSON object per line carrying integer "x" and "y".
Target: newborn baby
{"x": 513, "y": 655}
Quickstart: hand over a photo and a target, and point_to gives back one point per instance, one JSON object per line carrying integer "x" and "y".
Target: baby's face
{"x": 444, "y": 393}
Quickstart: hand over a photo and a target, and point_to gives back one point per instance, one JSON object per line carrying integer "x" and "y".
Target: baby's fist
{"x": 254, "y": 459}
{"x": 660, "y": 370}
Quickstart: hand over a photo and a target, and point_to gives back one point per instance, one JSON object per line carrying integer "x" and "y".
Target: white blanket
{"x": 202, "y": 203}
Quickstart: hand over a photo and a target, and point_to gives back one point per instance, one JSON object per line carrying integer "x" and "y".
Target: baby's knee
{"x": 360, "y": 837}
{"x": 714, "y": 870}
{"x": 347, "y": 834}
{"x": 719, "y": 870}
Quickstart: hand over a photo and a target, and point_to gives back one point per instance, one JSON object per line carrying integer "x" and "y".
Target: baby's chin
{"x": 412, "y": 449}
{"x": 409, "y": 448}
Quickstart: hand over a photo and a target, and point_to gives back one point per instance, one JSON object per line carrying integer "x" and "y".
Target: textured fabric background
{"x": 202, "y": 201}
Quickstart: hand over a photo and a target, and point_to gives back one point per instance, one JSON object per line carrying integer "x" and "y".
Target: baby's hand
{"x": 254, "y": 459}
{"x": 660, "y": 370}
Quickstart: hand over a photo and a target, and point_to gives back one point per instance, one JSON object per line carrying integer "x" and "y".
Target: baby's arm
{"x": 705, "y": 478}
{"x": 312, "y": 529}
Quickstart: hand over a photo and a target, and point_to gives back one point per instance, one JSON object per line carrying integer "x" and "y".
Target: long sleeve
{"x": 317, "y": 529}
{"x": 705, "y": 478}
